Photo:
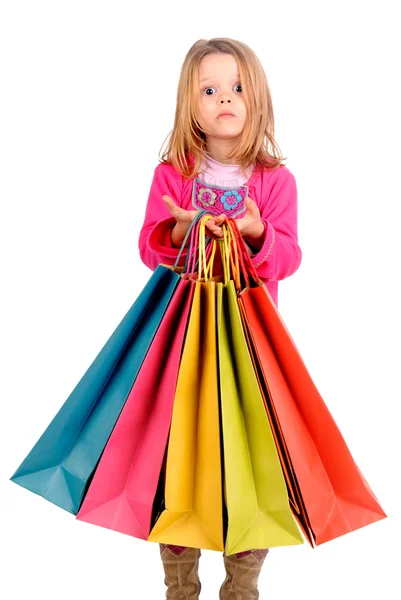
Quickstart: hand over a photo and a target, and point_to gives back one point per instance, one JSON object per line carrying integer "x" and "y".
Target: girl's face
{"x": 220, "y": 90}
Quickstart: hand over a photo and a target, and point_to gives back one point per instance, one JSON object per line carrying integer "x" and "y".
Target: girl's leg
{"x": 181, "y": 566}
{"x": 243, "y": 570}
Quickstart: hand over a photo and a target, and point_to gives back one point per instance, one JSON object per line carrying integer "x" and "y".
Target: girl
{"x": 223, "y": 137}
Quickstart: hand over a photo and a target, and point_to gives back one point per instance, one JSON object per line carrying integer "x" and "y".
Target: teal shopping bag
{"x": 61, "y": 463}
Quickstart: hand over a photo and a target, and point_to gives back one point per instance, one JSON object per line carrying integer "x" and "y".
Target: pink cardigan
{"x": 275, "y": 193}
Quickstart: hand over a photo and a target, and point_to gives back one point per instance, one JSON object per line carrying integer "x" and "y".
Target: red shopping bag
{"x": 330, "y": 496}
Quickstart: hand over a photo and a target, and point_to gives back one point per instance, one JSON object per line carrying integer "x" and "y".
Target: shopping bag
{"x": 259, "y": 515}
{"x": 294, "y": 494}
{"x": 123, "y": 489}
{"x": 193, "y": 485}
{"x": 59, "y": 466}
{"x": 335, "y": 498}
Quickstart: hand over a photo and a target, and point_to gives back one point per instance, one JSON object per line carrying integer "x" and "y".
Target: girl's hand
{"x": 251, "y": 226}
{"x": 214, "y": 227}
{"x": 184, "y": 219}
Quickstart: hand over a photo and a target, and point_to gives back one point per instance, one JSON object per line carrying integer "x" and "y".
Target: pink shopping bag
{"x": 123, "y": 489}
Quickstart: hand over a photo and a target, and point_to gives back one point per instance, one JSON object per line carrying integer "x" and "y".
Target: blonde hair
{"x": 187, "y": 142}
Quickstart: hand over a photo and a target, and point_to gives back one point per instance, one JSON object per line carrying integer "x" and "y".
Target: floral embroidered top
{"x": 221, "y": 188}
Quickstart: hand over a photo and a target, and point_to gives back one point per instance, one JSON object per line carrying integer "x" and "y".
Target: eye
{"x": 211, "y": 88}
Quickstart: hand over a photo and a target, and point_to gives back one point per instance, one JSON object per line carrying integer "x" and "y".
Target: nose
{"x": 225, "y": 96}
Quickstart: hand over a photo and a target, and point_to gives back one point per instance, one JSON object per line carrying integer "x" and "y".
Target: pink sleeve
{"x": 155, "y": 244}
{"x": 280, "y": 254}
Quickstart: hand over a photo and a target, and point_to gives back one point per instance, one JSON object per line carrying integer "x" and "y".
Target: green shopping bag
{"x": 259, "y": 515}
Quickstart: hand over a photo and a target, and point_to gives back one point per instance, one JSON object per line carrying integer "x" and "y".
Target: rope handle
{"x": 247, "y": 266}
{"x": 189, "y": 232}
{"x": 203, "y": 257}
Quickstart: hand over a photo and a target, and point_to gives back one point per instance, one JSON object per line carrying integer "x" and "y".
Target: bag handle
{"x": 235, "y": 257}
{"x": 236, "y": 263}
{"x": 189, "y": 232}
{"x": 230, "y": 257}
{"x": 246, "y": 265}
{"x": 225, "y": 249}
{"x": 208, "y": 249}
{"x": 203, "y": 264}
{"x": 211, "y": 253}
{"x": 192, "y": 232}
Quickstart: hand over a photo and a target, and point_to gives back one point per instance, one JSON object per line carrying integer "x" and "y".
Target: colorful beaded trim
{"x": 218, "y": 199}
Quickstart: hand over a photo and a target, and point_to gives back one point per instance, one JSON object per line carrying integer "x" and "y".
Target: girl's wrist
{"x": 256, "y": 238}
{"x": 178, "y": 233}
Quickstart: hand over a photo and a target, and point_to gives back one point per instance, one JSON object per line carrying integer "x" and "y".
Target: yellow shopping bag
{"x": 193, "y": 489}
{"x": 259, "y": 515}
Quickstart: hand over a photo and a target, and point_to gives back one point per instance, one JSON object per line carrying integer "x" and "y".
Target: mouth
{"x": 225, "y": 115}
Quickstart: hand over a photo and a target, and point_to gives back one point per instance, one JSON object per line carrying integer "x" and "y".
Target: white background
{"x": 88, "y": 97}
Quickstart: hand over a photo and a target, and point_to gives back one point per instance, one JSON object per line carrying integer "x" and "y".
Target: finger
{"x": 214, "y": 236}
{"x": 175, "y": 210}
{"x": 210, "y": 223}
{"x": 167, "y": 199}
{"x": 220, "y": 219}
{"x": 210, "y": 228}
{"x": 169, "y": 202}
{"x": 214, "y": 228}
{"x": 251, "y": 206}
{"x": 239, "y": 224}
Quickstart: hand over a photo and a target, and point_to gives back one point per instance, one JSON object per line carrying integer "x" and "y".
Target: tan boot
{"x": 243, "y": 571}
{"x": 181, "y": 572}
